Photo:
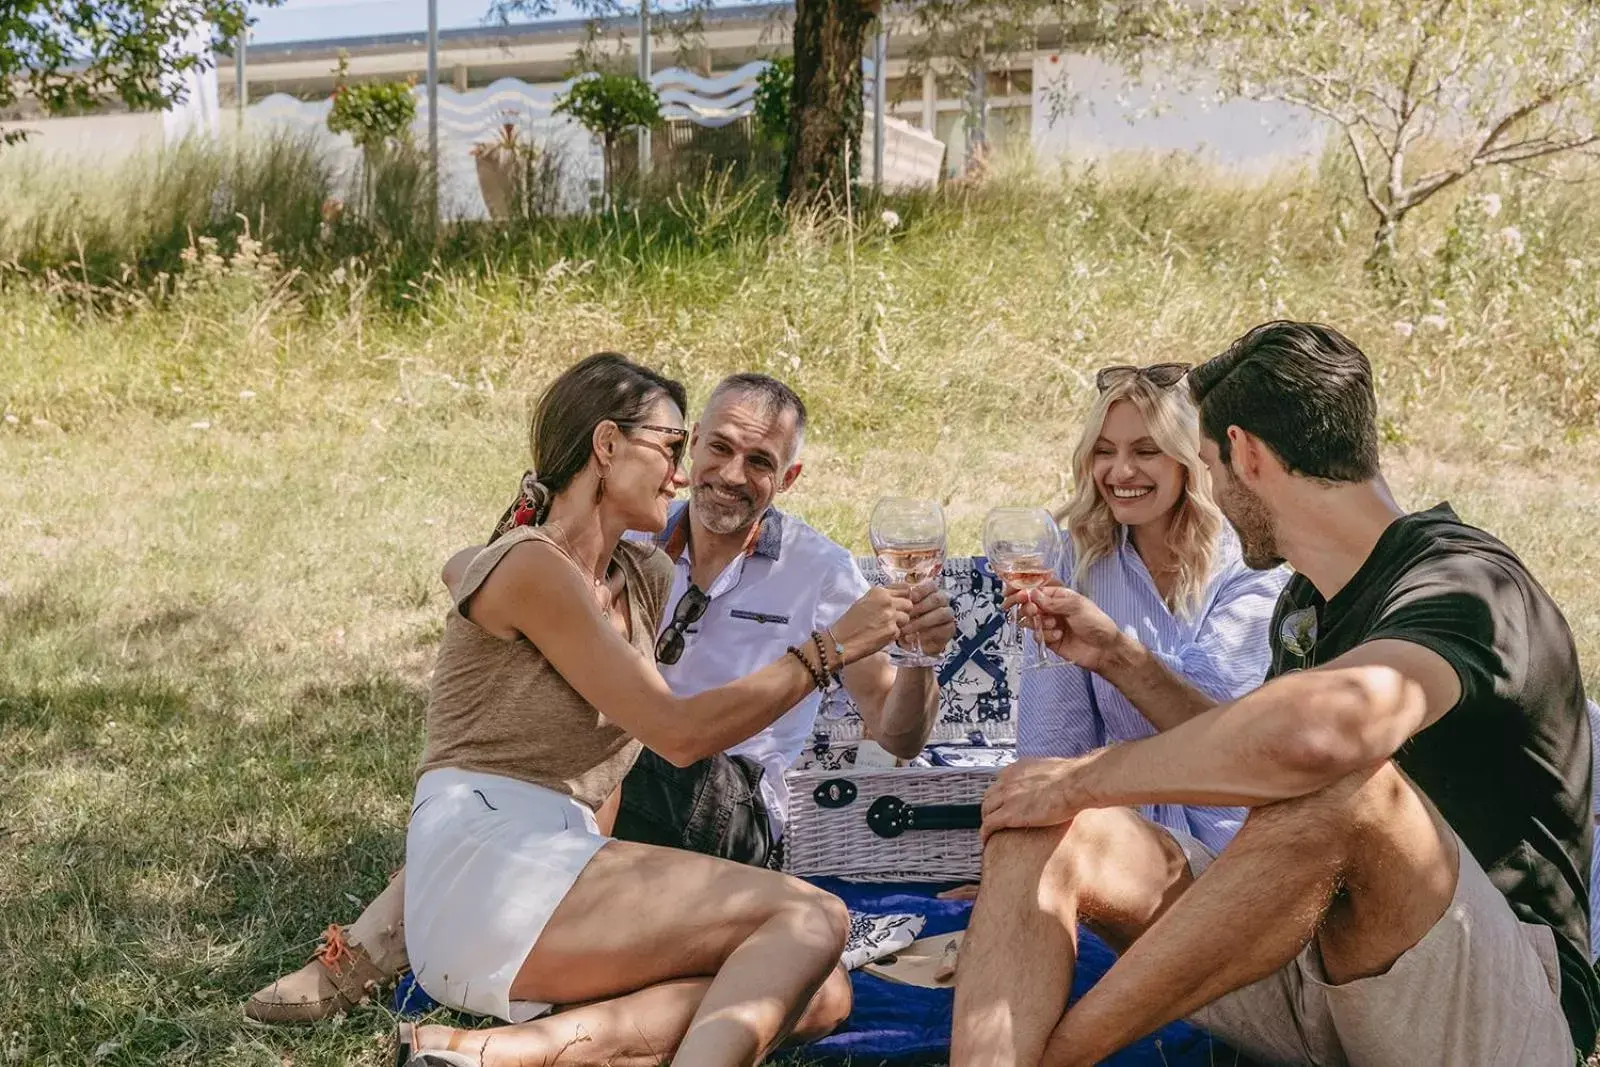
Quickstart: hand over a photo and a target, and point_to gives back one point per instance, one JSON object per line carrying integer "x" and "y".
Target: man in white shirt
{"x": 750, "y": 581}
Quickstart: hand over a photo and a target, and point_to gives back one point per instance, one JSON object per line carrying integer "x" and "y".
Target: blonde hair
{"x": 1174, "y": 426}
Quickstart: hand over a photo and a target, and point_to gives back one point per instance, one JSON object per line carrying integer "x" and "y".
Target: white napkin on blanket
{"x": 873, "y": 937}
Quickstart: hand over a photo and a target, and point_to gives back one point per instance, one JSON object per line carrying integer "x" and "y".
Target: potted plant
{"x": 500, "y": 162}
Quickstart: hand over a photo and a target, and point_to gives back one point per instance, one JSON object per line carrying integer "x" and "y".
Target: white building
{"x": 489, "y": 73}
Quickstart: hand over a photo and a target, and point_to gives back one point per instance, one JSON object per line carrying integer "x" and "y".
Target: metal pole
{"x": 241, "y": 86}
{"x": 880, "y": 89}
{"x": 644, "y": 75}
{"x": 433, "y": 106}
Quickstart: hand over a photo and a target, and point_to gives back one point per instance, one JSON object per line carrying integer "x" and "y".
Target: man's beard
{"x": 1248, "y": 514}
{"x": 720, "y": 516}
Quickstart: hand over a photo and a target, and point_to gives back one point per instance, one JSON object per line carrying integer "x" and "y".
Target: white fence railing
{"x": 476, "y": 116}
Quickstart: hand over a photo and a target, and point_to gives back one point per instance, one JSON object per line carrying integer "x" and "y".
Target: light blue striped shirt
{"x": 1222, "y": 651}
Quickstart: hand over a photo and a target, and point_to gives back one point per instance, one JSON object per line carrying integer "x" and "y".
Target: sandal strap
{"x": 348, "y": 966}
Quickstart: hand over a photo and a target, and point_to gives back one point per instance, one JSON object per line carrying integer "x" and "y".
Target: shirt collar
{"x": 766, "y": 538}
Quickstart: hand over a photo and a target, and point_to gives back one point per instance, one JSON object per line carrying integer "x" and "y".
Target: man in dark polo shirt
{"x": 1411, "y": 884}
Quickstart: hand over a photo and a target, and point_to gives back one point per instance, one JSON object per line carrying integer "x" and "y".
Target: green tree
{"x": 830, "y": 36}
{"x": 960, "y": 41}
{"x": 773, "y": 99}
{"x": 609, "y": 106}
{"x": 72, "y": 55}
{"x": 378, "y": 117}
{"x": 1423, "y": 93}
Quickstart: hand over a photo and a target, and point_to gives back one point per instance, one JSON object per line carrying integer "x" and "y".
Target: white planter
{"x": 912, "y": 158}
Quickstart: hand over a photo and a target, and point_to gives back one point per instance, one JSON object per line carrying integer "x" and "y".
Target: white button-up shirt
{"x": 791, "y": 581}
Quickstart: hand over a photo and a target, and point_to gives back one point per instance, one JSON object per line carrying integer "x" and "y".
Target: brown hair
{"x": 603, "y": 387}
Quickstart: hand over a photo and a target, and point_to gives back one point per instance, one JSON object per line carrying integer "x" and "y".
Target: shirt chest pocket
{"x": 757, "y": 617}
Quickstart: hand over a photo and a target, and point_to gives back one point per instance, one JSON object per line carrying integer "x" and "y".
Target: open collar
{"x": 765, "y": 540}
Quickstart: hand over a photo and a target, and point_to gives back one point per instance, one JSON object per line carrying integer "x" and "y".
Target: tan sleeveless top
{"x": 499, "y": 707}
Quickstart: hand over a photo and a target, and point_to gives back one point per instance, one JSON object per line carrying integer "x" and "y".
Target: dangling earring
{"x": 600, "y": 490}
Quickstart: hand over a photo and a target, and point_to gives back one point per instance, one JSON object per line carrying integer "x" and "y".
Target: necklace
{"x": 602, "y": 591}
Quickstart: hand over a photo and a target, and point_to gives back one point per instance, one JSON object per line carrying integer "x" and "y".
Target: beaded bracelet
{"x": 822, "y": 656}
{"x": 818, "y": 679}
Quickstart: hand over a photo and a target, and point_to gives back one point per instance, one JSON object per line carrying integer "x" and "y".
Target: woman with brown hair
{"x": 544, "y": 690}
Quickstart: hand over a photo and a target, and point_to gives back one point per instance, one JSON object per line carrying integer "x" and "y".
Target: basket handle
{"x": 891, "y": 817}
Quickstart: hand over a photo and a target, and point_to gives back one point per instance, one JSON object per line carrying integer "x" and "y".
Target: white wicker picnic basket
{"x": 909, "y": 823}
{"x": 906, "y": 824}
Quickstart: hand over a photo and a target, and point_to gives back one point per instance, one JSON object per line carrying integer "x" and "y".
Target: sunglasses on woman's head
{"x": 1160, "y": 375}
{"x": 691, "y": 606}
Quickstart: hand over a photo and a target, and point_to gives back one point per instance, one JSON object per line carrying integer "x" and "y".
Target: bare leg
{"x": 640, "y": 1029}
{"x": 1366, "y": 865}
{"x": 1109, "y": 867}
{"x": 640, "y": 916}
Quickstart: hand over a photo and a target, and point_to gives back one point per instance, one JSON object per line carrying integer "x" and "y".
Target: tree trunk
{"x": 1381, "y": 260}
{"x": 825, "y": 117}
{"x": 977, "y": 111}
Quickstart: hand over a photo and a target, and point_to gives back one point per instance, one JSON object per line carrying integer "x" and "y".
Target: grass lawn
{"x": 224, "y": 510}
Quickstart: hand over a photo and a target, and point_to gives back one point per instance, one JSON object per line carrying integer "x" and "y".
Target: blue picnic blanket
{"x": 898, "y": 1024}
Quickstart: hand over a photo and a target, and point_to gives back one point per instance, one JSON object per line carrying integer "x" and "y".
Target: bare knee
{"x": 1058, "y": 856}
{"x": 1346, "y": 815}
{"x": 827, "y": 1010}
{"x": 820, "y": 917}
{"x": 834, "y": 918}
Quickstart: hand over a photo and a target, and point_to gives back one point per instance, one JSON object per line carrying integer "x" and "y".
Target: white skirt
{"x": 488, "y": 859}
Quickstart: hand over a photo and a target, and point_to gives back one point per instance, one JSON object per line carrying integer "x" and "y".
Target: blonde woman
{"x": 1152, "y": 554}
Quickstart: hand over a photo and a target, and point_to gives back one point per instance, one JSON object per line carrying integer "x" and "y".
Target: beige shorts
{"x": 1481, "y": 989}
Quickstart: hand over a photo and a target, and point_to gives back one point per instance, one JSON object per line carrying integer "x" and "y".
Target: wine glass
{"x": 1023, "y": 546}
{"x": 908, "y": 537}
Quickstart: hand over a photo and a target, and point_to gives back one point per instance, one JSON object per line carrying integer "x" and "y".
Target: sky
{"x": 301, "y": 20}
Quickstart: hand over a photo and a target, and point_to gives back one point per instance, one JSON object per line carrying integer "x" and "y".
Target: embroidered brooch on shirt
{"x": 1298, "y": 632}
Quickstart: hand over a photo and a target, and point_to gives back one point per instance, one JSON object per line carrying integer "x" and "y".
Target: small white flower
{"x": 1511, "y": 238}
{"x": 12, "y": 419}
{"x": 201, "y": 425}
{"x": 1575, "y": 265}
{"x": 891, "y": 220}
{"x": 178, "y": 389}
{"x": 337, "y": 276}
{"x": 1434, "y": 322}
{"x": 247, "y": 394}
{"x": 1404, "y": 329}
{"x": 1438, "y": 305}
{"x": 1491, "y": 204}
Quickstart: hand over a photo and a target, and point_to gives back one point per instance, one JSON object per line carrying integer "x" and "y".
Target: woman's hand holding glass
{"x": 1068, "y": 624}
{"x": 1023, "y": 546}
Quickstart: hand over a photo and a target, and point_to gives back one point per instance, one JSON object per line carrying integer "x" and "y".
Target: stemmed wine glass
{"x": 1023, "y": 546}
{"x": 908, "y": 537}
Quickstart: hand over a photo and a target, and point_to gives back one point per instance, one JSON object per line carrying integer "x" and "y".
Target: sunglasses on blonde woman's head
{"x": 1160, "y": 375}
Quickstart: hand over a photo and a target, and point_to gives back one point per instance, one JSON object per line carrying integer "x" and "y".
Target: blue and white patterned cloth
{"x": 1222, "y": 651}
